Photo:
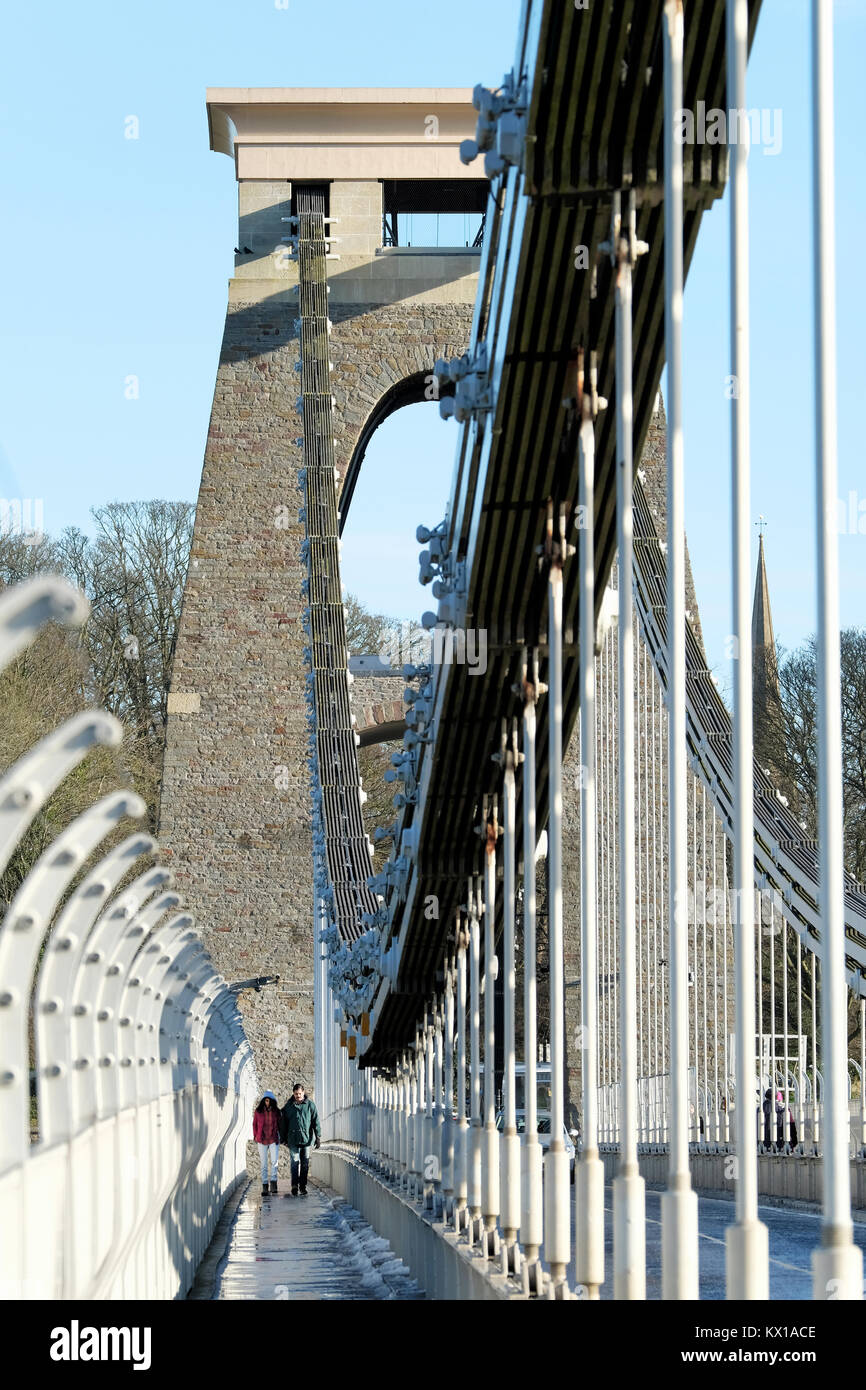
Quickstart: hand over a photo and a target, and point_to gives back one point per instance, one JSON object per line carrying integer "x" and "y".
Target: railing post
{"x": 837, "y": 1267}
{"x": 679, "y": 1202}
{"x": 57, "y": 971}
{"x": 403, "y": 1120}
{"x": 490, "y": 1163}
{"x": 531, "y": 1213}
{"x": 588, "y": 1169}
{"x": 474, "y": 1133}
{"x": 461, "y": 1135}
{"x": 416, "y": 1161}
{"x": 22, "y": 791}
{"x": 747, "y": 1239}
{"x": 629, "y": 1243}
{"x": 447, "y": 1092}
{"x": 557, "y": 1229}
{"x": 509, "y": 758}
{"x": 430, "y": 1168}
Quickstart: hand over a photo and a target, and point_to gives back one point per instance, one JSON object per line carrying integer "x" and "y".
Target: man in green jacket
{"x": 299, "y": 1129}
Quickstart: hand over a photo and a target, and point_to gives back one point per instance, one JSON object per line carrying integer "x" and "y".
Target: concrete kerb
{"x": 206, "y": 1276}
{"x": 445, "y": 1268}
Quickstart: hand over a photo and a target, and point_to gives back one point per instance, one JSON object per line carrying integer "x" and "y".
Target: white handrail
{"x": 145, "y": 1079}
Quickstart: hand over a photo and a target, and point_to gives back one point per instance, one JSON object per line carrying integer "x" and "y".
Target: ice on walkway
{"x": 307, "y": 1248}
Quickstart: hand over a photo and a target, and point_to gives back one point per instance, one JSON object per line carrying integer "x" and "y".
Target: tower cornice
{"x": 324, "y": 133}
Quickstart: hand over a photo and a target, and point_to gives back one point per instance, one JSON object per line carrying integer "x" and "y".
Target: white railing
{"x": 144, "y": 1080}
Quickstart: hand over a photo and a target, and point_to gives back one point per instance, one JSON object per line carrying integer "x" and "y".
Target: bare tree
{"x": 790, "y": 745}
{"x": 22, "y": 557}
{"x": 365, "y": 631}
{"x": 133, "y": 571}
{"x": 44, "y": 686}
{"x": 794, "y": 735}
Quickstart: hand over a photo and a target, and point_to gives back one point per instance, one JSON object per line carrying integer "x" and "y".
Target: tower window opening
{"x": 445, "y": 213}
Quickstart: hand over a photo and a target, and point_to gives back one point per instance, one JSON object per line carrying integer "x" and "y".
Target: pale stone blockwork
{"x": 357, "y": 210}
{"x": 183, "y": 702}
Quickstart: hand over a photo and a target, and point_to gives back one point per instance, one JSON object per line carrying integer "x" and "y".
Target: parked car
{"x": 568, "y": 1138}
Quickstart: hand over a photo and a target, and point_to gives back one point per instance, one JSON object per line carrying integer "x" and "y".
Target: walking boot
{"x": 265, "y": 1190}
{"x": 273, "y": 1184}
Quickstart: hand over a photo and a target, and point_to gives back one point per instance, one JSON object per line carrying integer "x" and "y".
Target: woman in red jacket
{"x": 266, "y": 1132}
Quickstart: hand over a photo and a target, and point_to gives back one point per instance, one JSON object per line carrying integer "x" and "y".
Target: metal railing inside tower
{"x": 428, "y": 213}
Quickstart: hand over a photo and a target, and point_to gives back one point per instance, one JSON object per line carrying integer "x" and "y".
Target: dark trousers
{"x": 300, "y": 1160}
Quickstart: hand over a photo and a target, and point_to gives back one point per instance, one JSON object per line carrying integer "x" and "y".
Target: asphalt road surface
{"x": 794, "y": 1234}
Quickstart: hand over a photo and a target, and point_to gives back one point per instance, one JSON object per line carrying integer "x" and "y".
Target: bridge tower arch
{"x": 235, "y": 815}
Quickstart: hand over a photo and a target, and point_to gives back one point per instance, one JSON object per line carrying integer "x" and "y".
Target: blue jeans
{"x": 266, "y": 1152}
{"x": 300, "y": 1160}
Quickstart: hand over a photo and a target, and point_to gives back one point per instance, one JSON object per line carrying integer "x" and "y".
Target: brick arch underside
{"x": 383, "y": 359}
{"x": 381, "y": 723}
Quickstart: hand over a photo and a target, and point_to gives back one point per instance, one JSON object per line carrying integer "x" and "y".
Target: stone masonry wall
{"x": 235, "y": 816}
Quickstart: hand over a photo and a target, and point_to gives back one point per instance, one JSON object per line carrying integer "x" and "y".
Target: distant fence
{"x": 144, "y": 1079}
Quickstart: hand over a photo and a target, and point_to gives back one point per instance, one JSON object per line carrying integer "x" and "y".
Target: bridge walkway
{"x": 303, "y": 1249}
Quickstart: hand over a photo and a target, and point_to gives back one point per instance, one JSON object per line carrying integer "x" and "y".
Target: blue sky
{"x": 118, "y": 252}
{"x": 782, "y": 364}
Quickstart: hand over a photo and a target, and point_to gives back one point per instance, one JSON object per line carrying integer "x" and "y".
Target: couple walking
{"x": 783, "y": 1116}
{"x": 296, "y": 1126}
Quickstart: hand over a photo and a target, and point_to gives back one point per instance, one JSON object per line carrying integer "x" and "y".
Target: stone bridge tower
{"x": 234, "y": 809}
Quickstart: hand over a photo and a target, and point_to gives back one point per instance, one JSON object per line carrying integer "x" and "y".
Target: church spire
{"x": 765, "y": 671}
{"x": 766, "y": 693}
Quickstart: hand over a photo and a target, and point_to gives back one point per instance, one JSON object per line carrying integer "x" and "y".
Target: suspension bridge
{"x": 715, "y": 950}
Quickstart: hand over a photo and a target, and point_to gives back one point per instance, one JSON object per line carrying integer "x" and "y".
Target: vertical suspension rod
{"x": 531, "y": 1225}
{"x": 629, "y": 1240}
{"x": 490, "y": 1164}
{"x": 557, "y": 1232}
{"x": 747, "y": 1264}
{"x": 589, "y": 1170}
{"x": 679, "y": 1203}
{"x": 510, "y": 1140}
{"x": 837, "y": 1267}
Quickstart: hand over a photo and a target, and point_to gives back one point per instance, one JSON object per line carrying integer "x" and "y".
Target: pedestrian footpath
{"x": 306, "y": 1248}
